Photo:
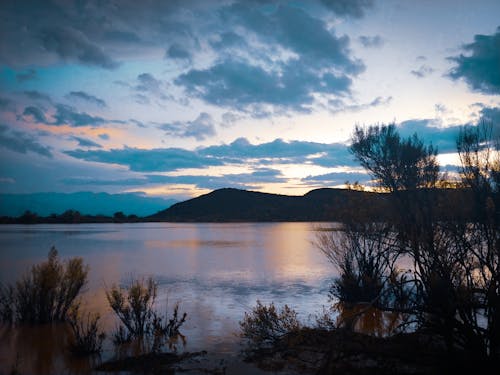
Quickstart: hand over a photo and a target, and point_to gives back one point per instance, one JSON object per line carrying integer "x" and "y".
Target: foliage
{"x": 134, "y": 306}
{"x": 46, "y": 293}
{"x": 87, "y": 338}
{"x": 364, "y": 253}
{"x": 266, "y": 325}
{"x": 396, "y": 163}
{"x": 453, "y": 288}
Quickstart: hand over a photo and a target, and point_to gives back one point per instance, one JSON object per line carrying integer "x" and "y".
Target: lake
{"x": 215, "y": 272}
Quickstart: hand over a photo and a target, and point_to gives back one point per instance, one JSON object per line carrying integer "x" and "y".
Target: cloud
{"x": 239, "y": 152}
{"x": 4, "y": 103}
{"x": 176, "y": 51}
{"x": 445, "y": 138}
{"x": 28, "y": 75}
{"x": 67, "y": 115}
{"x": 151, "y": 160}
{"x": 200, "y": 128}
{"x": 371, "y": 41}
{"x": 104, "y": 136}
{"x": 480, "y": 67}
{"x": 81, "y": 95}
{"x": 73, "y": 45}
{"x": 149, "y": 85}
{"x": 352, "y": 8}
{"x": 292, "y": 56}
{"x": 337, "y": 105}
{"x": 83, "y": 142}
{"x": 236, "y": 180}
{"x": 281, "y": 152}
{"x": 35, "y": 113}
{"x": 37, "y": 96}
{"x": 230, "y": 118}
{"x": 338, "y": 178}
{"x": 228, "y": 39}
{"x": 423, "y": 71}
{"x": 241, "y": 85}
{"x": 21, "y": 142}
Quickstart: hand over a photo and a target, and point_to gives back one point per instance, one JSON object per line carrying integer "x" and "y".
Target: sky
{"x": 178, "y": 98}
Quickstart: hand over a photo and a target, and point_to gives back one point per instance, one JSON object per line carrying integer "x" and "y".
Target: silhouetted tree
{"x": 455, "y": 279}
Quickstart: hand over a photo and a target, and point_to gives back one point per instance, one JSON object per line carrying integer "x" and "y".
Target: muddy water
{"x": 215, "y": 271}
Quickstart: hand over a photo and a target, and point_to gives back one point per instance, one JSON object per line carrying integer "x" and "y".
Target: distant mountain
{"x": 241, "y": 205}
{"x": 86, "y": 203}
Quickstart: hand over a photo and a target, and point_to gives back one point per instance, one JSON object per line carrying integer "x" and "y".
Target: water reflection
{"x": 369, "y": 320}
{"x": 216, "y": 272}
{"x": 41, "y": 349}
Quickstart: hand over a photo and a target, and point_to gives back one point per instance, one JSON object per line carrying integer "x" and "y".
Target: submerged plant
{"x": 87, "y": 338}
{"x": 134, "y": 306}
{"x": 45, "y": 293}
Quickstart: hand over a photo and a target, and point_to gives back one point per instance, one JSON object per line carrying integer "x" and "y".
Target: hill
{"x": 240, "y": 205}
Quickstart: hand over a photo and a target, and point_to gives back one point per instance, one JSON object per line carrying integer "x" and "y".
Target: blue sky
{"x": 177, "y": 98}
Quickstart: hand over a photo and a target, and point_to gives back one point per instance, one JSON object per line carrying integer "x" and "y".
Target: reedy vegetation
{"x": 134, "y": 306}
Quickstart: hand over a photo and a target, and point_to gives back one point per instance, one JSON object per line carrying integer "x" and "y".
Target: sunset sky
{"x": 177, "y": 98}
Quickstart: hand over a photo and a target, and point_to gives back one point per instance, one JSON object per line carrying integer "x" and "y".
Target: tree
{"x": 455, "y": 279}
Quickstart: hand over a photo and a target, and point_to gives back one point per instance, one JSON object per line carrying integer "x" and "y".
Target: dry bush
{"x": 266, "y": 325}
{"x": 134, "y": 306}
{"x": 45, "y": 293}
{"x": 87, "y": 338}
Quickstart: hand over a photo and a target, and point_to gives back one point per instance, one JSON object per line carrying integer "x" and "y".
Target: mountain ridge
{"x": 229, "y": 204}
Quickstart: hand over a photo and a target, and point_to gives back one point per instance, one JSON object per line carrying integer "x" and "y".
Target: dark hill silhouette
{"x": 240, "y": 205}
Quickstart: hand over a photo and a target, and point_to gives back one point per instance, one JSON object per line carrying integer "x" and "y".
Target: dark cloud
{"x": 200, "y": 128}
{"x": 153, "y": 160}
{"x": 251, "y": 78}
{"x": 118, "y": 36}
{"x": 241, "y": 85}
{"x": 35, "y": 113}
{"x": 229, "y": 39}
{"x": 236, "y": 180}
{"x": 480, "y": 68}
{"x": 352, "y": 8}
{"x": 238, "y": 152}
{"x": 491, "y": 115}
{"x": 66, "y": 115}
{"x": 104, "y": 136}
{"x": 445, "y": 138}
{"x": 371, "y": 41}
{"x": 81, "y": 95}
{"x": 37, "y": 96}
{"x": 21, "y": 142}
{"x": 84, "y": 142}
{"x": 73, "y": 45}
{"x": 28, "y": 75}
{"x": 147, "y": 84}
{"x": 4, "y": 103}
{"x": 422, "y": 71}
{"x": 176, "y": 51}
{"x": 279, "y": 151}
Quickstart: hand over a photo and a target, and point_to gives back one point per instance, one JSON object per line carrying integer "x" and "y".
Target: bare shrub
{"x": 87, "y": 338}
{"x": 266, "y": 325}
{"x": 134, "y": 306}
{"x": 46, "y": 292}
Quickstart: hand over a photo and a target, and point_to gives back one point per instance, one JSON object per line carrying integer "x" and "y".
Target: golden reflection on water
{"x": 216, "y": 270}
{"x": 368, "y": 320}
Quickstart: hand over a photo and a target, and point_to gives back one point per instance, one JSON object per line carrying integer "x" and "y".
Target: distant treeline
{"x": 69, "y": 217}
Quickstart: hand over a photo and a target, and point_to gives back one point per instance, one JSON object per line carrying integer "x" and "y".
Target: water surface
{"x": 215, "y": 271}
